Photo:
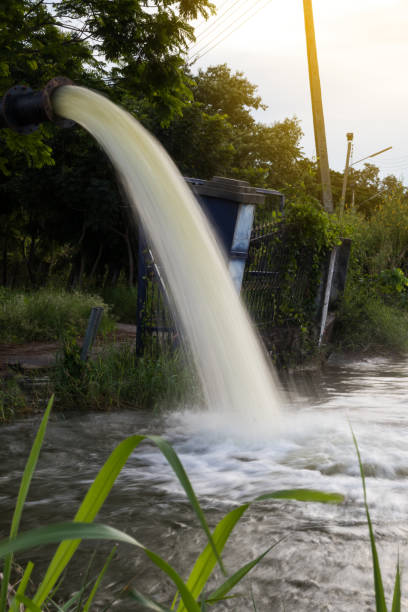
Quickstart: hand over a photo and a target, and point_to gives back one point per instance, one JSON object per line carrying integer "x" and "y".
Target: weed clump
{"x": 45, "y": 314}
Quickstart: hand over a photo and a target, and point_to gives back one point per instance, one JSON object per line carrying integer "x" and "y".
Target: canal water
{"x": 322, "y": 559}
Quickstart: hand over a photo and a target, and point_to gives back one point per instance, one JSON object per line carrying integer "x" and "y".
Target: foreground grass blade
{"x": 147, "y": 602}
{"x": 22, "y": 495}
{"x": 206, "y": 561}
{"x": 28, "y": 603}
{"x": 96, "y": 496}
{"x": 378, "y": 583}
{"x": 229, "y": 584}
{"x": 89, "y": 508}
{"x": 92, "y": 531}
{"x": 99, "y": 580}
{"x": 179, "y": 470}
{"x": 396, "y": 599}
{"x": 304, "y": 495}
{"x": 64, "y": 531}
{"x": 22, "y": 587}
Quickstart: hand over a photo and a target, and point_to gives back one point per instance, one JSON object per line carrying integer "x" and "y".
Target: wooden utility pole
{"x": 317, "y": 107}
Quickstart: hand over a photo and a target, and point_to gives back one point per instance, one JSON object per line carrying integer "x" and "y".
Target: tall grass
{"x": 366, "y": 322}
{"x": 123, "y": 303}
{"x": 46, "y": 314}
{"x": 117, "y": 378}
{"x": 188, "y": 596}
{"x": 373, "y": 314}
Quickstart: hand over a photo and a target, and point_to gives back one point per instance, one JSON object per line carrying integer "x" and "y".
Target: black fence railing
{"x": 280, "y": 289}
{"x": 277, "y": 288}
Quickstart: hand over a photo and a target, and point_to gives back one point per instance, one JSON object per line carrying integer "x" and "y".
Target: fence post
{"x": 327, "y": 294}
{"x": 336, "y": 281}
{"x": 141, "y": 294}
{"x": 91, "y": 331}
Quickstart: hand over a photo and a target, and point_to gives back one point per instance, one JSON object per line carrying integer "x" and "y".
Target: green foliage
{"x": 373, "y": 314}
{"x": 58, "y": 192}
{"x": 70, "y": 534}
{"x": 47, "y": 314}
{"x": 122, "y": 303}
{"x": 366, "y": 323}
{"x": 22, "y": 495}
{"x": 12, "y": 399}
{"x": 392, "y": 282}
{"x": 117, "y": 378}
{"x": 217, "y": 134}
{"x": 311, "y": 227}
{"x": 309, "y": 236}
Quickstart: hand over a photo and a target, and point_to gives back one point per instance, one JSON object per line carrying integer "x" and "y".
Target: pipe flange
{"x": 8, "y": 103}
{"x": 48, "y": 92}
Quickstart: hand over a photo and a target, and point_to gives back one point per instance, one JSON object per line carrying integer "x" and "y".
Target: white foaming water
{"x": 314, "y": 448}
{"x": 235, "y": 374}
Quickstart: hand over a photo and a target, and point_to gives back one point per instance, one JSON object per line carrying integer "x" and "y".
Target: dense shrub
{"x": 117, "y": 378}
{"x": 46, "y": 314}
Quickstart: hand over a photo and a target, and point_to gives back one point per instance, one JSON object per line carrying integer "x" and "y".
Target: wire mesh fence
{"x": 277, "y": 287}
{"x": 280, "y": 290}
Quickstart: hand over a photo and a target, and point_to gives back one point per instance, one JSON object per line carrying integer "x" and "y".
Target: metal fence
{"x": 155, "y": 324}
{"x": 279, "y": 284}
{"x": 279, "y": 290}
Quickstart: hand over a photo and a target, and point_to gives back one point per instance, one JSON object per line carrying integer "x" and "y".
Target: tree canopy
{"x": 61, "y": 208}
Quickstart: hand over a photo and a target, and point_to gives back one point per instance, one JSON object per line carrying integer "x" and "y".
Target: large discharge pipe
{"x": 23, "y": 109}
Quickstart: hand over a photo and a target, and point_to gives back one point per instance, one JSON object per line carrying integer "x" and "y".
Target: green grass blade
{"x": 229, "y": 584}
{"x": 22, "y": 586}
{"x": 85, "y": 582}
{"x": 28, "y": 603}
{"x": 75, "y": 599}
{"x": 89, "y": 508}
{"x": 22, "y": 495}
{"x": 99, "y": 580}
{"x": 185, "y": 593}
{"x": 97, "y": 494}
{"x": 180, "y": 472}
{"x": 206, "y": 561}
{"x": 396, "y": 599}
{"x": 253, "y": 600}
{"x": 92, "y": 531}
{"x": 64, "y": 531}
{"x": 147, "y": 602}
{"x": 378, "y": 583}
{"x": 304, "y": 495}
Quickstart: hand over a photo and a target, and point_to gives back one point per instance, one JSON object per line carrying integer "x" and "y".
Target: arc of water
{"x": 233, "y": 369}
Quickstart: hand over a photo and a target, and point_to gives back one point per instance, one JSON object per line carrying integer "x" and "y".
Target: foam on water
{"x": 236, "y": 376}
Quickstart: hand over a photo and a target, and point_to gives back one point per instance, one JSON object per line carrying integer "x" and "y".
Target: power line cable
{"x": 205, "y": 44}
{"x": 204, "y": 50}
{"x": 212, "y": 24}
{"x": 207, "y": 21}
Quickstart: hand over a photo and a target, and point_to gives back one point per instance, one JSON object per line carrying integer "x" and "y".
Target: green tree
{"x": 217, "y": 134}
{"x": 136, "y": 49}
{"x": 132, "y": 51}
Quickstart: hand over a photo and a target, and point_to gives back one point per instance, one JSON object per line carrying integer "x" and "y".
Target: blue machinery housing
{"x": 229, "y": 205}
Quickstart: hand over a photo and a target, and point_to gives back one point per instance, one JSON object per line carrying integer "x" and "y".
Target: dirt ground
{"x": 39, "y": 355}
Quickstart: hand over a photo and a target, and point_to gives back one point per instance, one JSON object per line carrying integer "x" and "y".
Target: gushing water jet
{"x": 236, "y": 376}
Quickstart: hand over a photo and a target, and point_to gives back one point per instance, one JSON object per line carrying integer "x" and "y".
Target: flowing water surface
{"x": 322, "y": 560}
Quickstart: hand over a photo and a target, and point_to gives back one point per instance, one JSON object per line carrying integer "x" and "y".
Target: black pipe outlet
{"x": 23, "y": 109}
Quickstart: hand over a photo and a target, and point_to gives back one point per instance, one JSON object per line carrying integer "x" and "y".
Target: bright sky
{"x": 362, "y": 47}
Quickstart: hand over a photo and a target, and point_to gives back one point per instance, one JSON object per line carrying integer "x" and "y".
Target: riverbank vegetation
{"x": 118, "y": 378}
{"x": 373, "y": 315}
{"x": 47, "y": 314}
